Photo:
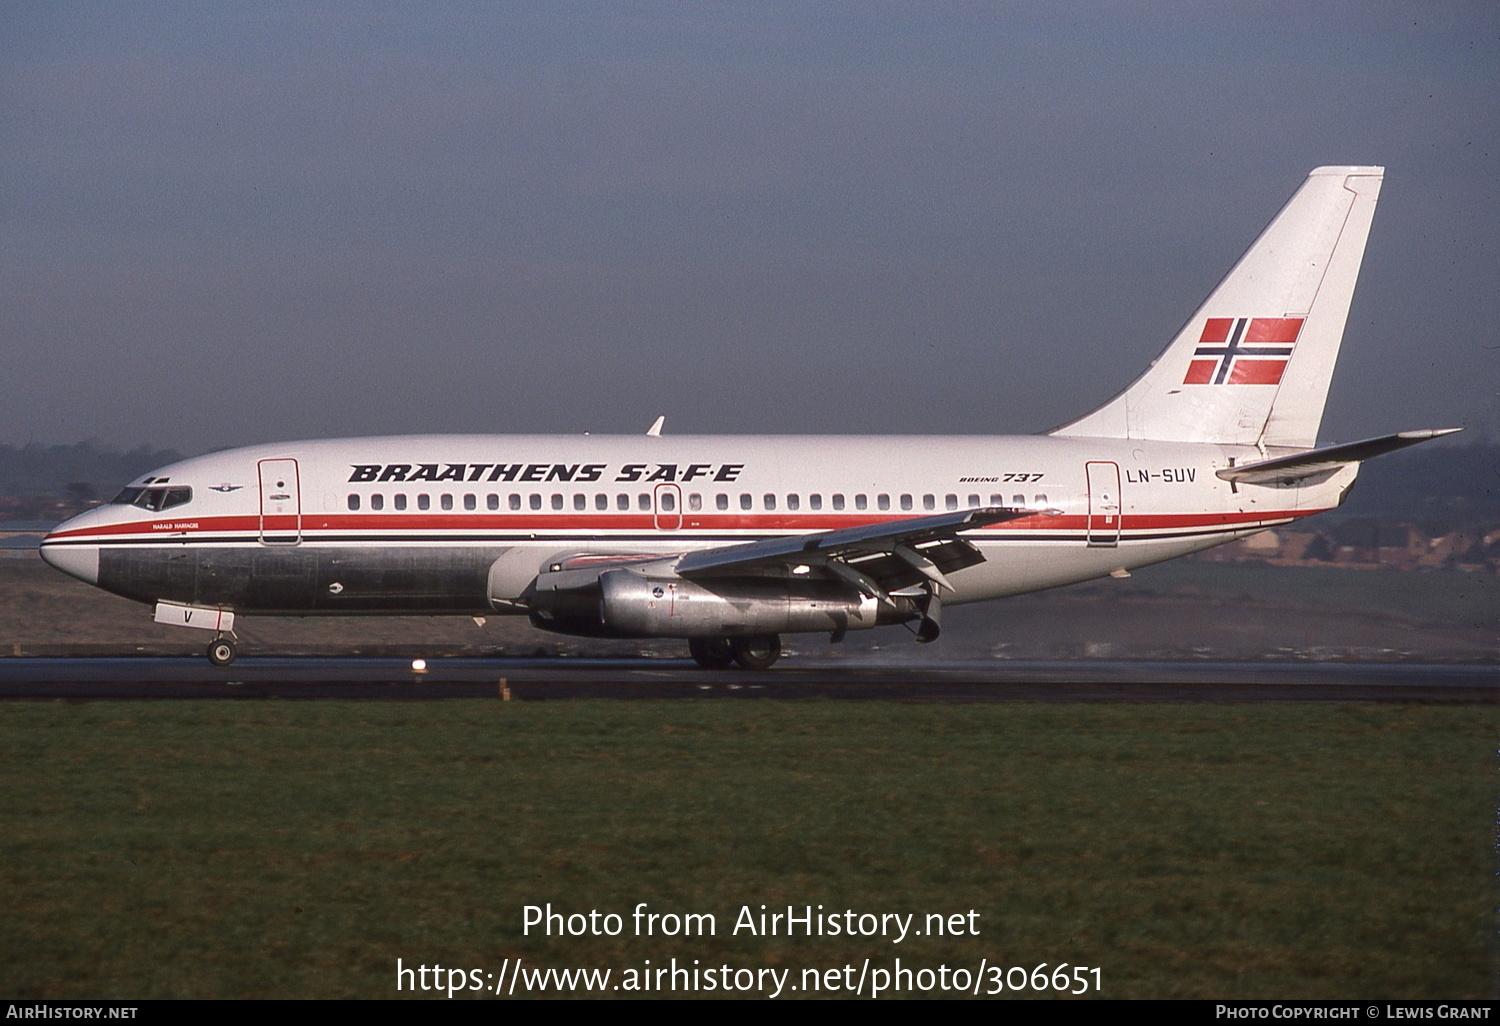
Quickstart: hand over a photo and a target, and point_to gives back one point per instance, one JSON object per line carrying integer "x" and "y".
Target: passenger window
{"x": 997, "y": 500}
{"x": 792, "y": 502}
{"x": 399, "y": 501}
{"x": 557, "y": 501}
{"x": 838, "y": 500}
{"x": 668, "y": 501}
{"x": 580, "y": 501}
{"x": 492, "y": 501}
{"x": 770, "y": 500}
{"x": 446, "y": 501}
{"x": 721, "y": 501}
{"x": 377, "y": 501}
{"x": 815, "y": 501}
{"x": 905, "y": 501}
{"x": 601, "y": 501}
{"x": 929, "y": 502}
{"x": 883, "y": 501}
{"x": 860, "y": 502}
{"x": 1020, "y": 500}
{"x": 695, "y": 501}
{"x": 354, "y": 501}
{"x": 535, "y": 502}
{"x": 745, "y": 501}
{"x": 470, "y": 502}
{"x": 643, "y": 502}
{"x": 973, "y": 502}
{"x": 622, "y": 501}
{"x": 424, "y": 501}
{"x": 515, "y": 502}
{"x": 1041, "y": 501}
{"x": 950, "y": 501}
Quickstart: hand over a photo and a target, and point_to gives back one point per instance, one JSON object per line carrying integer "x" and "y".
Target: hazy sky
{"x": 237, "y": 222}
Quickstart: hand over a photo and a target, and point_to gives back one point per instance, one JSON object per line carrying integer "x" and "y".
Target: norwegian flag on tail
{"x": 1243, "y": 351}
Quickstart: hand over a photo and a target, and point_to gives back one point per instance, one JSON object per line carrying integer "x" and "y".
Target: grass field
{"x": 298, "y": 849}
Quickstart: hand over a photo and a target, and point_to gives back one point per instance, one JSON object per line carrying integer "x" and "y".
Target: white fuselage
{"x": 419, "y": 524}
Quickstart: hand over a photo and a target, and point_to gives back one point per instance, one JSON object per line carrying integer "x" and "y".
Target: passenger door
{"x": 280, "y": 502}
{"x": 1104, "y": 504}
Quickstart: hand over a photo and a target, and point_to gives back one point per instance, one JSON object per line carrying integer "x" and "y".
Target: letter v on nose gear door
{"x": 280, "y": 502}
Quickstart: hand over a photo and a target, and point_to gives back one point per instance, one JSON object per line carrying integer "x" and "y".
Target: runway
{"x": 636, "y": 679}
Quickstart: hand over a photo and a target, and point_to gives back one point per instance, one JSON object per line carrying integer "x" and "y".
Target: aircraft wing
{"x": 1330, "y": 457}
{"x": 881, "y": 557}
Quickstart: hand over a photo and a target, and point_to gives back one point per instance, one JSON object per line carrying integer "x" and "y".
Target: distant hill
{"x": 1453, "y": 483}
{"x": 32, "y": 470}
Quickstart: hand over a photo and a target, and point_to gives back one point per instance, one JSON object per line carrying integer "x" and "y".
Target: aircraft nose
{"x": 73, "y": 556}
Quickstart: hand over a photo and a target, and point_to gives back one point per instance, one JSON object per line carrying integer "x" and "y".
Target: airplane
{"x": 730, "y": 542}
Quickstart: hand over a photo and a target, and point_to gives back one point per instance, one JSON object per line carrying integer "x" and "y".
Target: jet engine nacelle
{"x": 634, "y": 605}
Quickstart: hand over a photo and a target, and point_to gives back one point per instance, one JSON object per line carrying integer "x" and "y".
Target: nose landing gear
{"x": 221, "y": 651}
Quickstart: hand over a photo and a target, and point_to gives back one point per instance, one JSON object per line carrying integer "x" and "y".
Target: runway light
{"x": 419, "y": 666}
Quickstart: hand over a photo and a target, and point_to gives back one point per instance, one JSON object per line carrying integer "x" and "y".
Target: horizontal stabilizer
{"x": 1315, "y": 461}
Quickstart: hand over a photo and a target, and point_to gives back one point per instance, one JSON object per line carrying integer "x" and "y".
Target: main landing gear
{"x": 221, "y": 651}
{"x": 753, "y": 653}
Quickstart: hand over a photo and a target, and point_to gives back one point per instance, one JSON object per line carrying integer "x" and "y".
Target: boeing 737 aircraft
{"x": 730, "y": 542}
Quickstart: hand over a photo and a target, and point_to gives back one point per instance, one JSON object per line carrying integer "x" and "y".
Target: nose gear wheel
{"x": 221, "y": 651}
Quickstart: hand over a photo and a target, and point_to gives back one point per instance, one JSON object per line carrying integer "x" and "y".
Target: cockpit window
{"x": 154, "y": 499}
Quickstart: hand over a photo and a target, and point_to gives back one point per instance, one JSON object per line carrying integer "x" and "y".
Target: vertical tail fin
{"x": 1254, "y": 363}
